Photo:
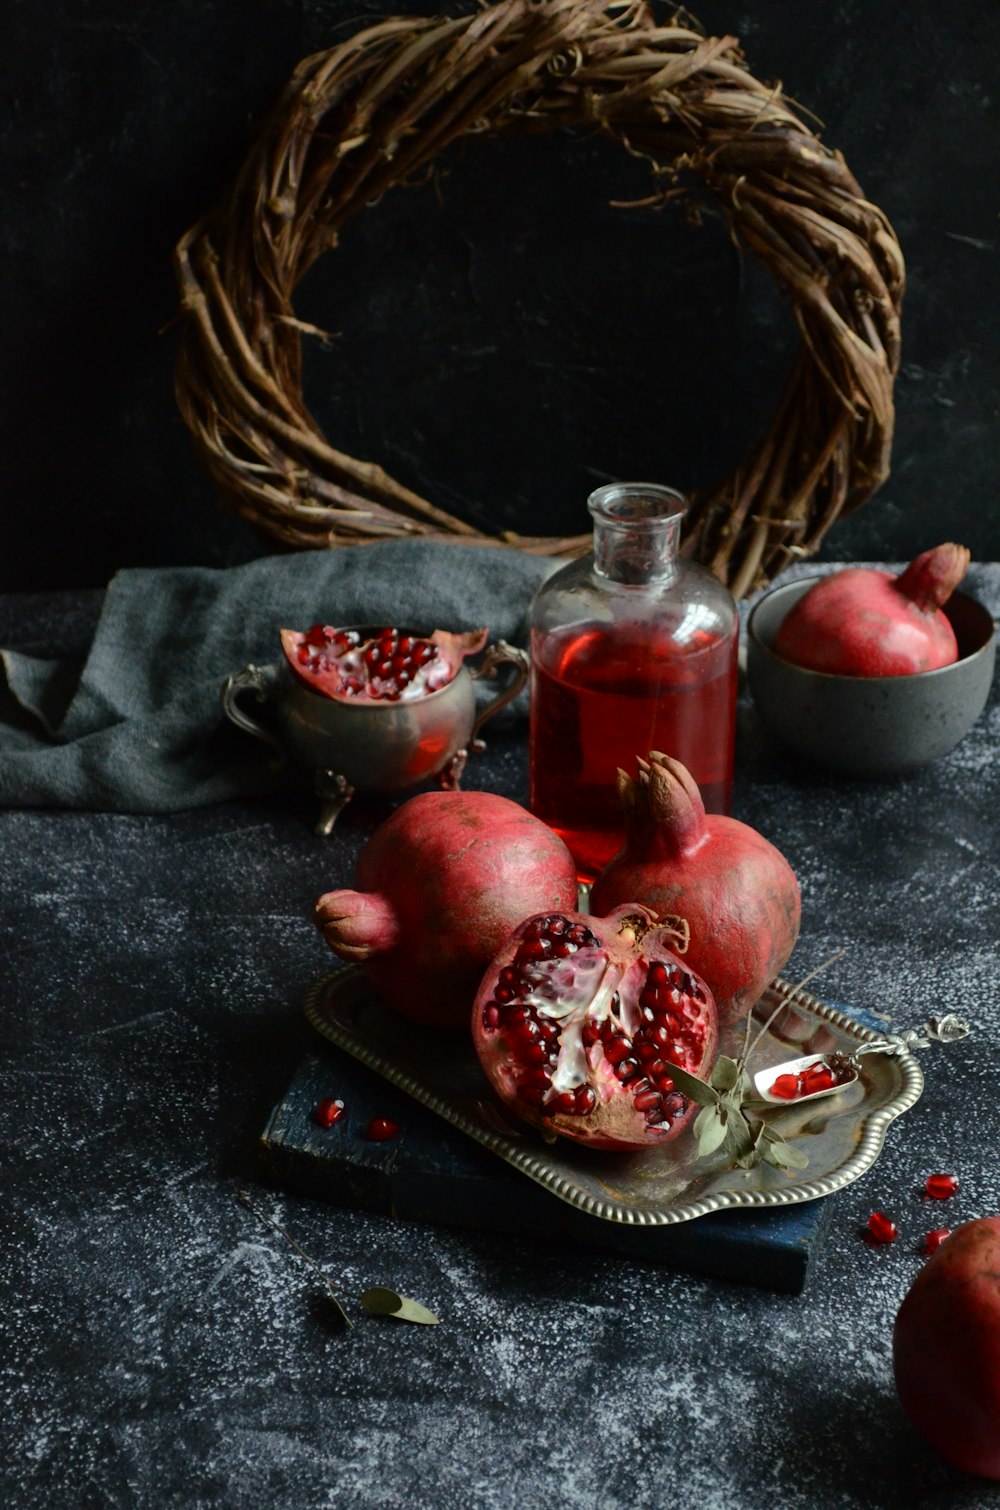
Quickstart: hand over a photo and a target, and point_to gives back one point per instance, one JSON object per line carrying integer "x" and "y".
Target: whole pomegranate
{"x": 737, "y": 892}
{"x": 579, "y": 1019}
{"x": 376, "y": 665}
{"x": 863, "y": 622}
{"x": 946, "y": 1349}
{"x": 441, "y": 884}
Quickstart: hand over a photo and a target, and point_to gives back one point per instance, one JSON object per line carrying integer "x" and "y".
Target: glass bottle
{"x": 632, "y": 649}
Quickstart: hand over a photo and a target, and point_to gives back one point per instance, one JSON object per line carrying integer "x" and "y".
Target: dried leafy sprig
{"x": 727, "y": 1118}
{"x": 377, "y": 1301}
{"x": 730, "y": 1115}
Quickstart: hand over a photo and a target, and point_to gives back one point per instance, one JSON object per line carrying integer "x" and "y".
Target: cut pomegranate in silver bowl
{"x": 579, "y": 1019}
{"x": 377, "y": 665}
{"x": 373, "y": 708}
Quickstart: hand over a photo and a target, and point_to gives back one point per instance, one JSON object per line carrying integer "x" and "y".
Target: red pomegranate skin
{"x": 579, "y": 1020}
{"x": 441, "y": 884}
{"x": 736, "y": 891}
{"x": 864, "y": 622}
{"x": 946, "y": 1349}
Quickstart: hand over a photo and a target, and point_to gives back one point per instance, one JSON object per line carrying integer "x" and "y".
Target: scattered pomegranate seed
{"x": 933, "y": 1240}
{"x": 380, "y": 1130}
{"x": 941, "y": 1186}
{"x": 882, "y": 1228}
{"x": 327, "y": 1112}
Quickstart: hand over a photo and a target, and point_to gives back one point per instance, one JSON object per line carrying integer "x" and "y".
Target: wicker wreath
{"x": 377, "y": 110}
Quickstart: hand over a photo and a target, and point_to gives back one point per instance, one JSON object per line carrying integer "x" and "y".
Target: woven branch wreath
{"x": 378, "y": 109}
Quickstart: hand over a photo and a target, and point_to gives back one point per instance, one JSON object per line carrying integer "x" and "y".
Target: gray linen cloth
{"x": 139, "y": 727}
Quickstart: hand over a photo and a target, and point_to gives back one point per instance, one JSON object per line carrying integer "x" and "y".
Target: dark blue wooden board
{"x": 434, "y": 1173}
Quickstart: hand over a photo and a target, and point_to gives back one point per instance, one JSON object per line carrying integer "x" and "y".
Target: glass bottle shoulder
{"x": 690, "y": 602}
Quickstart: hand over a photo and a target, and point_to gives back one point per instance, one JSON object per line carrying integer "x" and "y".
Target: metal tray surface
{"x": 841, "y": 1135}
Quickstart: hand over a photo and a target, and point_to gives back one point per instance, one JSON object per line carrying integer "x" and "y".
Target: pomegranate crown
{"x": 663, "y": 806}
{"x": 931, "y": 578}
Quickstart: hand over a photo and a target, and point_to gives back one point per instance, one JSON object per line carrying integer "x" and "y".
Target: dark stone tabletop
{"x": 161, "y": 1348}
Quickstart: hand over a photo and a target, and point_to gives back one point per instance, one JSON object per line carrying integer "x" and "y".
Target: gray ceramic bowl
{"x": 869, "y": 725}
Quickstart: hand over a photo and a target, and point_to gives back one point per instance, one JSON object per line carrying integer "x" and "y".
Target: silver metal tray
{"x": 841, "y": 1135}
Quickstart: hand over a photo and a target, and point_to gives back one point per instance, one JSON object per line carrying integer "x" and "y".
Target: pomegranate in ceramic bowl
{"x": 868, "y": 674}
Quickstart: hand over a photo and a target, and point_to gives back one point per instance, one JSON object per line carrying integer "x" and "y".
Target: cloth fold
{"x": 137, "y": 725}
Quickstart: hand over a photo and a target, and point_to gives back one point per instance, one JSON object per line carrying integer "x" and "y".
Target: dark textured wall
{"x": 501, "y": 351}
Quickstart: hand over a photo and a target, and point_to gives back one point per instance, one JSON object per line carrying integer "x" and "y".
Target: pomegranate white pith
{"x": 579, "y": 1019}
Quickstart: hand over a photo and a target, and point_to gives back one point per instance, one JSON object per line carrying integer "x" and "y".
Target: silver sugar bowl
{"x": 376, "y": 748}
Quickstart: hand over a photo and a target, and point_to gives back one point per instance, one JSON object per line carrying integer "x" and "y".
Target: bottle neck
{"x": 637, "y": 531}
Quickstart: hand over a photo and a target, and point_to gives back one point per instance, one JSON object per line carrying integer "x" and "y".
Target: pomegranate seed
{"x": 816, "y": 1078}
{"x": 941, "y": 1186}
{"x": 616, "y": 1049}
{"x": 564, "y": 1101}
{"x": 539, "y": 1078}
{"x": 882, "y": 1228}
{"x": 646, "y": 1100}
{"x": 380, "y": 1130}
{"x": 673, "y": 1106}
{"x": 534, "y": 949}
{"x": 586, "y": 1099}
{"x": 787, "y": 1087}
{"x": 327, "y": 1112}
{"x": 491, "y": 1014}
{"x": 627, "y": 1069}
{"x": 933, "y": 1240}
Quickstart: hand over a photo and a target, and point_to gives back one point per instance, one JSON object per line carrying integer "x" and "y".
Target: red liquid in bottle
{"x": 599, "y": 702}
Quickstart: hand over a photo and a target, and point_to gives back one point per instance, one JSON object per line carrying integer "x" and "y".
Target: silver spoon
{"x": 845, "y": 1067}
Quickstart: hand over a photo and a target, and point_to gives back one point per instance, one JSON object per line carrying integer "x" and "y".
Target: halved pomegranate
{"x": 579, "y": 1019}
{"x": 381, "y": 665}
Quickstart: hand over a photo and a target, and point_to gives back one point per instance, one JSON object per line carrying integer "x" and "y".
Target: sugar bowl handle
{"x": 497, "y": 655}
{"x": 261, "y": 681}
